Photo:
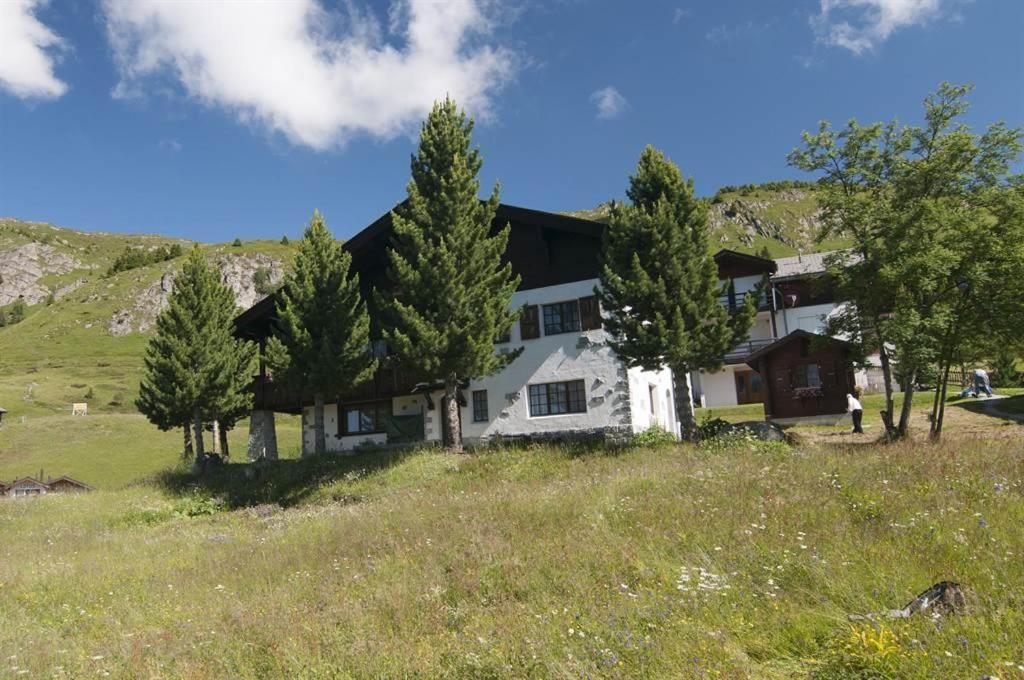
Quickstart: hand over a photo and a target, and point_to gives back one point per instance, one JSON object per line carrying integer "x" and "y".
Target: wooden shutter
{"x": 529, "y": 323}
{"x": 590, "y": 313}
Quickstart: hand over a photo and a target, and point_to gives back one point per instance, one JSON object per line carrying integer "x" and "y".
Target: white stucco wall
{"x": 761, "y": 329}
{"x": 810, "y": 318}
{"x": 719, "y": 388}
{"x": 742, "y": 284}
{"x": 616, "y": 397}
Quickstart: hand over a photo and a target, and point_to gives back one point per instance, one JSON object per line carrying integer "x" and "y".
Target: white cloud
{"x": 172, "y": 145}
{"x": 26, "y": 52}
{"x": 610, "y": 104}
{"x": 679, "y": 14}
{"x": 860, "y": 25}
{"x": 319, "y": 77}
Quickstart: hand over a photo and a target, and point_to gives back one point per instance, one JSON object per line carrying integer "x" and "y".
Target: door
{"x": 749, "y": 389}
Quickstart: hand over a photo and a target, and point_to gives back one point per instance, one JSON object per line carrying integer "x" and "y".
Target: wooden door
{"x": 749, "y": 387}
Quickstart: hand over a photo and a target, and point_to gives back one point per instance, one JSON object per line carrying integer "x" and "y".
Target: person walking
{"x": 854, "y": 408}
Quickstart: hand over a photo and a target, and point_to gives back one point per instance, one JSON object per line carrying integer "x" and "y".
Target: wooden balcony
{"x": 387, "y": 382}
{"x": 739, "y": 353}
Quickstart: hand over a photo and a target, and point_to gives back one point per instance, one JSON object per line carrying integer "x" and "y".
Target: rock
{"x": 945, "y": 597}
{"x": 22, "y": 267}
{"x": 236, "y": 273}
{"x": 759, "y": 429}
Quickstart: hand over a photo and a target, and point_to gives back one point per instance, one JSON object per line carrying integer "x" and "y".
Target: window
{"x": 590, "y": 313}
{"x": 480, "y": 406}
{"x": 807, "y": 375}
{"x": 364, "y": 418}
{"x": 562, "y": 317}
{"x": 550, "y": 399}
{"x": 529, "y": 323}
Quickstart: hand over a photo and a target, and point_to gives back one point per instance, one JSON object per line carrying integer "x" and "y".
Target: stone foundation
{"x": 262, "y": 436}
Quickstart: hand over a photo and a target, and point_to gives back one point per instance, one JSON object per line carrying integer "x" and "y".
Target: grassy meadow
{"x": 738, "y": 560}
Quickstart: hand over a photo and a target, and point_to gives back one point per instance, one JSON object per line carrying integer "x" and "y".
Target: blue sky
{"x": 216, "y": 121}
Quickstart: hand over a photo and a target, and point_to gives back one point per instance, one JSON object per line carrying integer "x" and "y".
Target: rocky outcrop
{"x": 22, "y": 267}
{"x": 237, "y": 272}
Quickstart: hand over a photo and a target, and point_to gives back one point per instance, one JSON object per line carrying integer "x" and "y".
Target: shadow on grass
{"x": 1010, "y": 407}
{"x": 283, "y": 482}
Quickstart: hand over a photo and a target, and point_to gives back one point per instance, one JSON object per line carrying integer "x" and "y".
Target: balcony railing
{"x": 739, "y": 353}
{"x": 733, "y": 301}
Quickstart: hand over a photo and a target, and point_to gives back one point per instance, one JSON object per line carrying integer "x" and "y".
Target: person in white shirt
{"x": 854, "y": 408}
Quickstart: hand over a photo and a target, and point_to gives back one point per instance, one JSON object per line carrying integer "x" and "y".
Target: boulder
{"x": 759, "y": 429}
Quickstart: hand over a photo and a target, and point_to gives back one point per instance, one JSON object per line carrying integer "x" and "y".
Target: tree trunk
{"x": 935, "y": 400}
{"x": 197, "y": 437}
{"x": 942, "y": 405}
{"x": 908, "y": 402}
{"x": 187, "y": 453}
{"x": 453, "y": 424}
{"x": 224, "y": 442}
{"x": 216, "y": 436}
{"x": 684, "y": 406}
{"x": 319, "y": 438}
{"x": 883, "y": 355}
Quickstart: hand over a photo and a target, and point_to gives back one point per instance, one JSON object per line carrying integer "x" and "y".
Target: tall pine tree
{"x": 321, "y": 345}
{"x": 659, "y": 282}
{"x": 194, "y": 365}
{"x": 451, "y": 293}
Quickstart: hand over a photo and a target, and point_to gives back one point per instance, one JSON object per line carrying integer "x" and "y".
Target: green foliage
{"x": 237, "y": 243}
{"x": 450, "y": 292}
{"x": 195, "y": 369}
{"x": 654, "y": 436}
{"x": 780, "y": 185}
{"x": 711, "y": 427}
{"x": 1004, "y": 369}
{"x": 261, "y": 281}
{"x": 13, "y": 313}
{"x": 134, "y": 257}
{"x": 937, "y": 220}
{"x": 284, "y": 240}
{"x": 322, "y": 339}
{"x": 659, "y": 282}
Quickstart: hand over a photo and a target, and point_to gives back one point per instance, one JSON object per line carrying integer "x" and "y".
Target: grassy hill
{"x": 730, "y": 561}
{"x": 781, "y": 217}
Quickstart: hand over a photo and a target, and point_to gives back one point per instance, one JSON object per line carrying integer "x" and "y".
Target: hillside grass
{"x": 739, "y": 561}
{"x": 110, "y": 451}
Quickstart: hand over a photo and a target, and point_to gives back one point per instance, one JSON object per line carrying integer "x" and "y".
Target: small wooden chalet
{"x": 25, "y": 487}
{"x": 806, "y": 376}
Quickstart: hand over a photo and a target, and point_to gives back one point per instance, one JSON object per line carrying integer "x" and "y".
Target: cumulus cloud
{"x": 317, "y": 76}
{"x": 610, "y": 104}
{"x": 27, "y": 52}
{"x": 860, "y": 25}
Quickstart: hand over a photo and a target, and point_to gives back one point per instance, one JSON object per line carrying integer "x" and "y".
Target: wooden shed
{"x": 806, "y": 377}
{"x": 65, "y": 484}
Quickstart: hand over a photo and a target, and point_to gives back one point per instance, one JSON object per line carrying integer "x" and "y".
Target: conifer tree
{"x": 659, "y": 282}
{"x": 194, "y": 365}
{"x": 321, "y": 345}
{"x": 451, "y": 293}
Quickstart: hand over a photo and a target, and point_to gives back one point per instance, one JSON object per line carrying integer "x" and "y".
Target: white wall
{"x": 810, "y": 318}
{"x": 719, "y": 388}
{"x": 616, "y": 397}
{"x": 742, "y": 284}
{"x": 761, "y": 329}
{"x": 566, "y": 356}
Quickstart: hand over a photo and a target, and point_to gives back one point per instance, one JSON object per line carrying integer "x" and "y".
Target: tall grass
{"x": 532, "y": 562}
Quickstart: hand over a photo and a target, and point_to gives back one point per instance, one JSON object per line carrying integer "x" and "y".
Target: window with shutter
{"x": 529, "y": 323}
{"x": 590, "y": 313}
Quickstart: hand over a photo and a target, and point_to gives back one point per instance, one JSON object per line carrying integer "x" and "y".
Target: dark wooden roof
{"x": 71, "y": 480}
{"x": 742, "y": 264}
{"x": 572, "y": 246}
{"x": 752, "y": 358}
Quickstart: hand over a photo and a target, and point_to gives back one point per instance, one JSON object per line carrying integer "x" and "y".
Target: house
{"x": 567, "y": 381}
{"x": 805, "y": 377}
{"x": 796, "y": 297}
{"x": 25, "y": 487}
{"x": 65, "y": 484}
{"x": 30, "y": 486}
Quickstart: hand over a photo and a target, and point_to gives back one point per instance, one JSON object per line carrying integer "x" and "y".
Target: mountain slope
{"x": 85, "y": 331}
{"x": 781, "y": 217}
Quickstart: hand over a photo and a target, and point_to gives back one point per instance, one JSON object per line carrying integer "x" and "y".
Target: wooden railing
{"x": 740, "y": 352}
{"x": 387, "y": 381}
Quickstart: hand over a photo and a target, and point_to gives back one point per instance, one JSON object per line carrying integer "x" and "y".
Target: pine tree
{"x": 451, "y": 293}
{"x": 194, "y": 365}
{"x": 659, "y": 282}
{"x": 322, "y": 342}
